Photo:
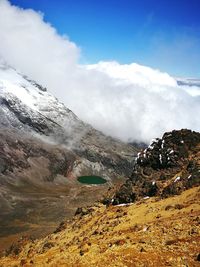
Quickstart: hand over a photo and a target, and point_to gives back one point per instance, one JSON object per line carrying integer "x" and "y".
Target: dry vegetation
{"x": 152, "y": 232}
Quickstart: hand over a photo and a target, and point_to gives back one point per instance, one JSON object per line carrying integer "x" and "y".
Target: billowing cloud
{"x": 33, "y": 46}
{"x": 131, "y": 102}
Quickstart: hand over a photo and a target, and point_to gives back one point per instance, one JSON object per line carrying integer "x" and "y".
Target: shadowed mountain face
{"x": 44, "y": 148}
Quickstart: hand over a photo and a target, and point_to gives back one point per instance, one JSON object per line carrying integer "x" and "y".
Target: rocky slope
{"x": 44, "y": 147}
{"x": 155, "y": 219}
{"x": 149, "y": 233}
{"x": 28, "y": 107}
{"x": 168, "y": 166}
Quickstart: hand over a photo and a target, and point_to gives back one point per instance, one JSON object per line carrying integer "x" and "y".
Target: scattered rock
{"x": 120, "y": 242}
{"x": 84, "y": 249}
{"x": 47, "y": 246}
{"x": 170, "y": 242}
{"x": 198, "y": 257}
{"x": 23, "y": 262}
{"x": 142, "y": 241}
{"x": 142, "y": 249}
{"x": 179, "y": 206}
{"x": 60, "y": 228}
{"x": 83, "y": 211}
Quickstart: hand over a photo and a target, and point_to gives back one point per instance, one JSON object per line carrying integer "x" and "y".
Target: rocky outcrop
{"x": 166, "y": 167}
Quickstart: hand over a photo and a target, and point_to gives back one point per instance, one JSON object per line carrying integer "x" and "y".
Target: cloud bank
{"x": 130, "y": 102}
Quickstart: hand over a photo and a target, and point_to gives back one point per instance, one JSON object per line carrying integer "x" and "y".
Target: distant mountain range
{"x": 188, "y": 81}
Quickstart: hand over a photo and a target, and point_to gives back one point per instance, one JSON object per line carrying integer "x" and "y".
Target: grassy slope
{"x": 151, "y": 232}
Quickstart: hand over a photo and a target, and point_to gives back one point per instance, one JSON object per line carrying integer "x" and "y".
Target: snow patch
{"x": 177, "y": 179}
{"x": 160, "y": 158}
{"x": 124, "y": 204}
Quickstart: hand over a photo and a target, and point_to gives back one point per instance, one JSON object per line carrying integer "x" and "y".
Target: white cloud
{"x": 33, "y": 46}
{"x": 125, "y": 101}
{"x": 133, "y": 74}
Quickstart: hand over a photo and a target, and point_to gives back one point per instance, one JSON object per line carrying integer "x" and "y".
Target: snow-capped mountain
{"x": 33, "y": 106}
{"x": 27, "y": 106}
{"x": 44, "y": 148}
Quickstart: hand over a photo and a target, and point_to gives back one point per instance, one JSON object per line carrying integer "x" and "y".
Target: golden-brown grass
{"x": 153, "y": 232}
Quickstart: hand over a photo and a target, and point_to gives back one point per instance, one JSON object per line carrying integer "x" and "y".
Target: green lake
{"x": 92, "y": 179}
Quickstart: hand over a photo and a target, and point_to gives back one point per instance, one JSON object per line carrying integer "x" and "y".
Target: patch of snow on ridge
{"x": 14, "y": 83}
{"x": 11, "y": 82}
{"x": 34, "y": 96}
{"x": 177, "y": 179}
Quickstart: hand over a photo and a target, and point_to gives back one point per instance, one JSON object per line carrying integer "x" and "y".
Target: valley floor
{"x": 152, "y": 232}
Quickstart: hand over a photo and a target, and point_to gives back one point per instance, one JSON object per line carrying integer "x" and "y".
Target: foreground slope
{"x": 149, "y": 233}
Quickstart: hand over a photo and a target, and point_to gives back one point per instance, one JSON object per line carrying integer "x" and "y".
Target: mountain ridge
{"x": 44, "y": 147}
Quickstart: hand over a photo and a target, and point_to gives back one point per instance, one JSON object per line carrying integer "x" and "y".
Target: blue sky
{"x": 163, "y": 34}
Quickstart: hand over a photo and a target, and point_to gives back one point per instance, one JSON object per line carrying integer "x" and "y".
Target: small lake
{"x": 92, "y": 179}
